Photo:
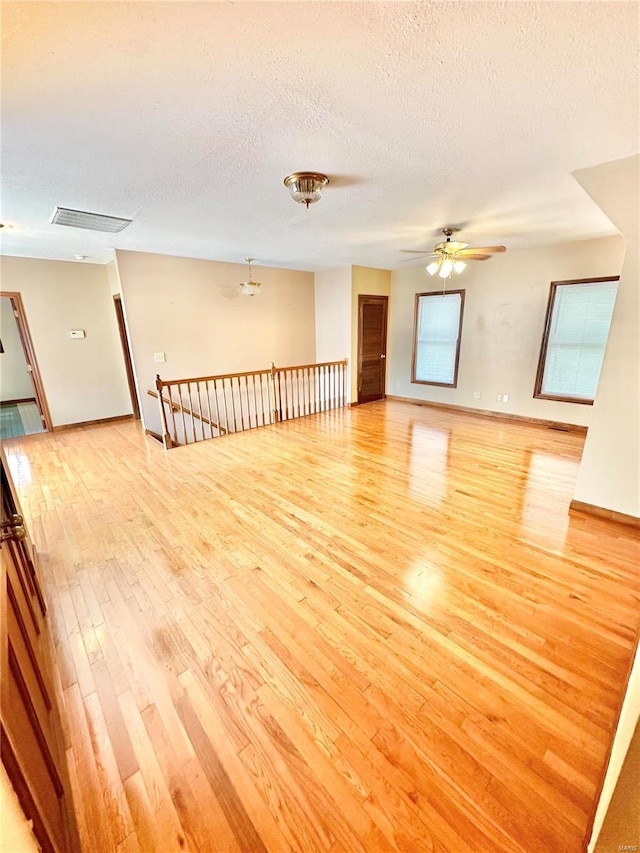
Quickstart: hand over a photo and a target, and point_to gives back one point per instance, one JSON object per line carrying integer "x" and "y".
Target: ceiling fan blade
{"x": 474, "y": 256}
{"x": 418, "y": 252}
{"x": 481, "y": 250}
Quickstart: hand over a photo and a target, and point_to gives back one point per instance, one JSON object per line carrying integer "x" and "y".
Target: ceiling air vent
{"x": 91, "y": 221}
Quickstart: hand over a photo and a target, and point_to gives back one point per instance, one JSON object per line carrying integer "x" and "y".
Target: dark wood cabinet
{"x": 31, "y": 732}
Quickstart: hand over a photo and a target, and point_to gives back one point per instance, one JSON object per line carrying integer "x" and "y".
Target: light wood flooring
{"x": 370, "y": 630}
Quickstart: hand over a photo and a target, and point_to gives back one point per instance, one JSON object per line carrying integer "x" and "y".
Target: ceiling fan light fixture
{"x": 459, "y": 266}
{"x": 249, "y": 287}
{"x": 446, "y": 268}
{"x": 306, "y": 187}
{"x": 432, "y": 269}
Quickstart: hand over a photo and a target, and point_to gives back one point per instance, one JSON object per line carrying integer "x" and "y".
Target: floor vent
{"x": 90, "y": 221}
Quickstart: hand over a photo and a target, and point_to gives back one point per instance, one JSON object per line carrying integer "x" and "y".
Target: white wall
{"x": 192, "y": 311}
{"x": 609, "y": 473}
{"x": 333, "y": 315}
{"x": 504, "y": 312}
{"x": 629, "y": 717}
{"x": 83, "y": 379}
{"x": 366, "y": 281}
{"x": 15, "y": 381}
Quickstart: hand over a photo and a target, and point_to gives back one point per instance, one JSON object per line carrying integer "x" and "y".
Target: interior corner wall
{"x": 333, "y": 315}
{"x": 367, "y": 281}
{"x": 504, "y": 315}
{"x": 192, "y": 311}
{"x": 15, "y": 381}
{"x": 113, "y": 277}
{"x": 84, "y": 379}
{"x": 609, "y": 474}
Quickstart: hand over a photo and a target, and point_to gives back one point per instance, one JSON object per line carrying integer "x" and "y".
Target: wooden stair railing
{"x": 205, "y": 407}
{"x": 177, "y": 407}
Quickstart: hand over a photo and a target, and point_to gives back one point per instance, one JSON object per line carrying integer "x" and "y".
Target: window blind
{"x": 437, "y": 329}
{"x": 580, "y": 320}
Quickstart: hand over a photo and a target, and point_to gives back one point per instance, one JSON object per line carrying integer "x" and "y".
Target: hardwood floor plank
{"x": 375, "y": 629}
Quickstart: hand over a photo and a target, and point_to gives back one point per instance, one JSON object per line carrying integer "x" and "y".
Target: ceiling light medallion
{"x": 250, "y": 287}
{"x": 306, "y": 187}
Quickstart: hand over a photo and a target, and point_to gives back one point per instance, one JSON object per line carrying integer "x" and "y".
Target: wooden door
{"x": 30, "y": 357}
{"x": 372, "y": 347}
{"x": 32, "y": 741}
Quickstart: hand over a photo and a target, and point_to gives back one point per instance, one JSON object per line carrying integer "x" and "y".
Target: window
{"x": 436, "y": 338}
{"x": 575, "y": 336}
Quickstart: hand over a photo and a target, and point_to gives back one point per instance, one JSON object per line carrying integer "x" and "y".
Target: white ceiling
{"x": 186, "y": 117}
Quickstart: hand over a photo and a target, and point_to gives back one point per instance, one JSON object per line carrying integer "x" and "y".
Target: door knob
{"x": 383, "y": 356}
{"x": 12, "y": 528}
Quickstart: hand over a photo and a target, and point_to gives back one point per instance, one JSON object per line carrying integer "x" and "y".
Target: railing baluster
{"x": 209, "y": 415}
{"x": 215, "y": 397}
{"x": 240, "y": 406}
{"x": 262, "y": 396}
{"x": 333, "y": 385}
{"x": 193, "y": 420}
{"x": 200, "y": 411}
{"x": 173, "y": 416}
{"x": 286, "y": 396}
{"x": 327, "y": 399}
{"x": 224, "y": 404}
{"x": 308, "y": 380}
{"x": 279, "y": 395}
{"x": 242, "y": 426}
{"x": 255, "y": 398}
{"x": 246, "y": 396}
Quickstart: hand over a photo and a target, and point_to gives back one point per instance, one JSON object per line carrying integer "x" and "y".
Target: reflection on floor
{"x": 371, "y": 630}
{"x": 20, "y": 419}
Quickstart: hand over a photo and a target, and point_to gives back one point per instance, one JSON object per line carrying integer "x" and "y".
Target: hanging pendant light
{"x": 306, "y": 187}
{"x": 250, "y": 287}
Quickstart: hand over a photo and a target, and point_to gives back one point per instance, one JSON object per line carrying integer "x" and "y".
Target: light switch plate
{"x": 77, "y": 333}
{"x": 158, "y": 357}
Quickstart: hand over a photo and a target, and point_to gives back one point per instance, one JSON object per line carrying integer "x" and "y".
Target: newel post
{"x": 345, "y": 365}
{"x": 166, "y": 438}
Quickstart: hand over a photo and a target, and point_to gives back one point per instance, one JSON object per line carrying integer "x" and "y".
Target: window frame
{"x": 414, "y": 353}
{"x": 537, "y": 390}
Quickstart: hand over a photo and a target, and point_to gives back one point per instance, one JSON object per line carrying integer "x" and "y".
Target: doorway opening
{"x": 126, "y": 352}
{"x": 23, "y": 405}
{"x": 372, "y": 348}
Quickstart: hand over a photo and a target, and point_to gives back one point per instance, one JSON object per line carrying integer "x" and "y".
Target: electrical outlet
{"x": 505, "y": 398}
{"x": 499, "y": 398}
{"x": 477, "y": 395}
{"x": 158, "y": 357}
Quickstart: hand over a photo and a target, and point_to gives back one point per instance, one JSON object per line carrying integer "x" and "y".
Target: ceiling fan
{"x": 452, "y": 255}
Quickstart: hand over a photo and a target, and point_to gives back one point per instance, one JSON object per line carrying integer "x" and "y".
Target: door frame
{"x": 364, "y": 299}
{"x": 30, "y": 355}
{"x": 126, "y": 352}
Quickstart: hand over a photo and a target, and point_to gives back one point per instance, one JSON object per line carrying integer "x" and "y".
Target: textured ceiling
{"x": 186, "y": 117}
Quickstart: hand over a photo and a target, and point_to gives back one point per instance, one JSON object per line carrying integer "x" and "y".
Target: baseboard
{"x": 60, "y": 427}
{"x": 487, "y": 413}
{"x": 602, "y": 512}
{"x": 15, "y": 402}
